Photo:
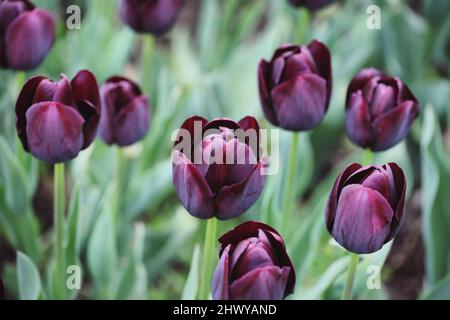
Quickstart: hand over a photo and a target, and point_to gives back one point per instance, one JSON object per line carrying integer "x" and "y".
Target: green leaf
{"x": 440, "y": 291}
{"x": 191, "y": 287}
{"x": 28, "y": 278}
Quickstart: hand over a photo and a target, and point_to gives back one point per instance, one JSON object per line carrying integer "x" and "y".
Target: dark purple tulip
{"x": 125, "y": 112}
{"x": 208, "y": 185}
{"x": 26, "y": 34}
{"x": 366, "y": 206}
{"x": 55, "y": 120}
{"x": 379, "y": 110}
{"x": 295, "y": 86}
{"x": 253, "y": 265}
{"x": 311, "y": 5}
{"x": 151, "y": 16}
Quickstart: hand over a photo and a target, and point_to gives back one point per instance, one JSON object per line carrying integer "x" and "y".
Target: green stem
{"x": 289, "y": 187}
{"x": 146, "y": 60}
{"x": 118, "y": 181}
{"x": 347, "y": 293}
{"x": 302, "y": 25}
{"x": 368, "y": 157}
{"x": 20, "y": 79}
{"x": 209, "y": 248}
{"x": 58, "y": 220}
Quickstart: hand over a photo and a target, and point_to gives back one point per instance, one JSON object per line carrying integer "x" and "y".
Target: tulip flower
{"x": 366, "y": 206}
{"x": 26, "y": 34}
{"x": 56, "y": 120}
{"x": 253, "y": 265}
{"x": 311, "y": 5}
{"x": 380, "y": 110}
{"x": 150, "y": 16}
{"x": 125, "y": 112}
{"x": 226, "y": 178}
{"x": 295, "y": 86}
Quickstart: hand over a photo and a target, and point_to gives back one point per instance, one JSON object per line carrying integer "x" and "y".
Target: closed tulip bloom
{"x": 366, "y": 206}
{"x": 151, "y": 16}
{"x": 55, "y": 120}
{"x": 311, "y": 5}
{"x": 253, "y": 265}
{"x": 218, "y": 174}
{"x": 26, "y": 34}
{"x": 380, "y": 110}
{"x": 295, "y": 86}
{"x": 125, "y": 112}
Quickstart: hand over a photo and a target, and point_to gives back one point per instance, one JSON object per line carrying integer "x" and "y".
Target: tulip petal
{"x": 360, "y": 80}
{"x": 91, "y": 120}
{"x": 250, "y": 123}
{"x": 266, "y": 283}
{"x": 233, "y": 200}
{"x": 300, "y": 103}
{"x": 29, "y": 38}
{"x": 362, "y": 222}
{"x": 264, "y": 91}
{"x": 322, "y": 58}
{"x": 10, "y": 10}
{"x": 400, "y": 184}
{"x": 54, "y": 132}
{"x": 219, "y": 284}
{"x": 85, "y": 88}
{"x": 191, "y": 188}
{"x": 358, "y": 123}
{"x": 393, "y": 126}
{"x": 190, "y": 125}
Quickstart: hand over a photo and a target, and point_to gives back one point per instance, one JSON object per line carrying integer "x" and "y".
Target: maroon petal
{"x": 29, "y": 38}
{"x": 85, "y": 88}
{"x": 44, "y": 91}
{"x": 268, "y": 283}
{"x": 232, "y": 201}
{"x": 92, "y": 118}
{"x": 63, "y": 92}
{"x": 360, "y": 80}
{"x": 250, "y": 123}
{"x": 322, "y": 58}
{"x": 10, "y": 10}
{"x": 219, "y": 284}
{"x": 54, "y": 132}
{"x": 393, "y": 126}
{"x": 362, "y": 222}
{"x": 330, "y": 209}
{"x": 218, "y": 123}
{"x": 358, "y": 123}
{"x": 400, "y": 185}
{"x": 264, "y": 86}
{"x": 191, "y": 188}
{"x": 190, "y": 125}
{"x": 23, "y": 103}
{"x": 300, "y": 103}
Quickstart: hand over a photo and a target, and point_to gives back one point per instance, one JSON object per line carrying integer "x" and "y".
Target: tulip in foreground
{"x": 253, "y": 265}
{"x": 26, "y": 34}
{"x": 217, "y": 173}
{"x": 366, "y": 206}
{"x": 56, "y": 120}
{"x": 125, "y": 112}
{"x": 151, "y": 16}
{"x": 380, "y": 110}
{"x": 311, "y": 5}
{"x": 295, "y": 86}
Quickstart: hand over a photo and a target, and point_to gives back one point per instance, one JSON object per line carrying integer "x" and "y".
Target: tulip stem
{"x": 20, "y": 79}
{"x": 347, "y": 293}
{"x": 58, "y": 221}
{"x": 368, "y": 157}
{"x": 289, "y": 187}
{"x": 209, "y": 248}
{"x": 117, "y": 204}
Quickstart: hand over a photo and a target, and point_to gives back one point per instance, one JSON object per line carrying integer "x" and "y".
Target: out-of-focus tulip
{"x": 26, "y": 34}
{"x": 365, "y": 207}
{"x": 295, "y": 86}
{"x": 151, "y": 16}
{"x": 219, "y": 172}
{"x": 253, "y": 265}
{"x": 125, "y": 112}
{"x": 55, "y": 120}
{"x": 379, "y": 110}
{"x": 311, "y": 5}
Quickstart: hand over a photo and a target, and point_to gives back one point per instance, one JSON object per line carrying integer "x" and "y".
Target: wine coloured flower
{"x": 253, "y": 265}
{"x": 366, "y": 206}
{"x": 295, "y": 86}
{"x": 56, "y": 120}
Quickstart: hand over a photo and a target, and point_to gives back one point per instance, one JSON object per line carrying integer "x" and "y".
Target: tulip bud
{"x": 150, "y": 16}
{"x": 311, "y": 5}
{"x": 218, "y": 173}
{"x": 125, "y": 112}
{"x": 365, "y": 207}
{"x": 295, "y": 86}
{"x": 253, "y": 265}
{"x": 379, "y": 111}
{"x": 26, "y": 34}
{"x": 55, "y": 120}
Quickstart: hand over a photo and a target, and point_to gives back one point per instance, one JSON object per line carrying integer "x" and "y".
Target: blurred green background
{"x": 207, "y": 66}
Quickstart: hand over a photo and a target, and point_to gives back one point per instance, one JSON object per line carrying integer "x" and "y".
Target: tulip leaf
{"x": 191, "y": 288}
{"x": 440, "y": 291}
{"x": 28, "y": 278}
